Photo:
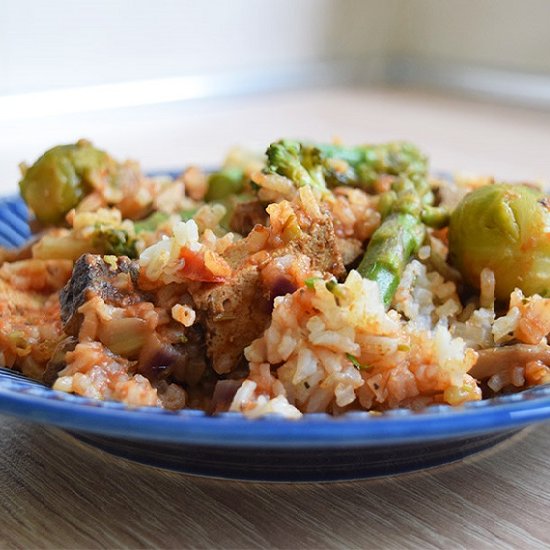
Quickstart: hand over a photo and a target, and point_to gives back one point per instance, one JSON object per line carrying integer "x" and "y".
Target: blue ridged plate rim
{"x": 32, "y": 401}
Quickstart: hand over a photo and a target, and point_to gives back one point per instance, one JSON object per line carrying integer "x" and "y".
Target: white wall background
{"x": 59, "y": 43}
{"x": 509, "y": 34}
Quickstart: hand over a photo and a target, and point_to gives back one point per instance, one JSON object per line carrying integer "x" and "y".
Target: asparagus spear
{"x": 389, "y": 250}
{"x": 406, "y": 209}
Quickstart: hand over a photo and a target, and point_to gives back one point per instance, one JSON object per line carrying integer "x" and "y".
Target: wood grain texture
{"x": 57, "y": 493}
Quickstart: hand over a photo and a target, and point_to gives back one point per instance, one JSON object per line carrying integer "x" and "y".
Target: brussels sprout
{"x": 505, "y": 228}
{"x": 61, "y": 177}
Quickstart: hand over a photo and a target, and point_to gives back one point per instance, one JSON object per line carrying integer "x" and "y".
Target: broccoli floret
{"x": 300, "y": 163}
{"x": 117, "y": 242}
{"x": 320, "y": 165}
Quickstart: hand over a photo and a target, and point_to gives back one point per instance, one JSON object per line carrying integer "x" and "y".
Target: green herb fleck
{"x": 337, "y": 290}
{"x": 332, "y": 285}
{"x": 355, "y": 362}
{"x": 310, "y": 282}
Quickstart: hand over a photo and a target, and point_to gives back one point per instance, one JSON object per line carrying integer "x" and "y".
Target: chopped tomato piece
{"x": 204, "y": 267}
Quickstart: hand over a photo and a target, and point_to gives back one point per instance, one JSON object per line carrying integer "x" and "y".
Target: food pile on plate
{"x": 314, "y": 278}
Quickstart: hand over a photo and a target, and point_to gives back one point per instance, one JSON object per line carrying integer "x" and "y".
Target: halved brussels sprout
{"x": 505, "y": 228}
{"x": 61, "y": 177}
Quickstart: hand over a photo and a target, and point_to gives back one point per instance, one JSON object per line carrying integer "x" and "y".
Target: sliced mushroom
{"x": 494, "y": 360}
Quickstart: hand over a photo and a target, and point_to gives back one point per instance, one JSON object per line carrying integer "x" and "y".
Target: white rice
{"x": 332, "y": 349}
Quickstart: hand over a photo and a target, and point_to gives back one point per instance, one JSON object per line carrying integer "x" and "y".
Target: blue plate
{"x": 317, "y": 447}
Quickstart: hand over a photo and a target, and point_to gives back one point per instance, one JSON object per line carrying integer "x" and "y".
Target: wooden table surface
{"x": 56, "y": 493}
